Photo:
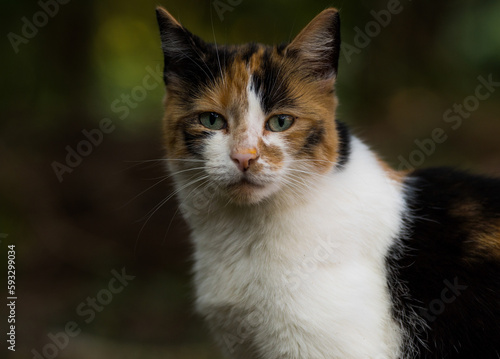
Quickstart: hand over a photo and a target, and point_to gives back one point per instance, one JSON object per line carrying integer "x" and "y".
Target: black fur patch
{"x": 344, "y": 144}
{"x": 190, "y": 64}
{"x": 270, "y": 84}
{"x": 195, "y": 142}
{"x": 313, "y": 139}
{"x": 248, "y": 51}
{"x": 281, "y": 48}
{"x": 435, "y": 277}
{"x": 335, "y": 30}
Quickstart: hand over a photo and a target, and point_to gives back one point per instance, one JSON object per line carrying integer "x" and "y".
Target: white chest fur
{"x": 305, "y": 281}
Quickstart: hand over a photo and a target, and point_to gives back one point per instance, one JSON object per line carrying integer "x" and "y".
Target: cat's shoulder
{"x": 449, "y": 263}
{"x": 451, "y": 208}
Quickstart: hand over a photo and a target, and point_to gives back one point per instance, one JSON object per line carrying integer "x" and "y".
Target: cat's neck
{"x": 358, "y": 204}
{"x": 327, "y": 251}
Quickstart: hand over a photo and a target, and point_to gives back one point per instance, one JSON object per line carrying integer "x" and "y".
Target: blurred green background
{"x": 92, "y": 57}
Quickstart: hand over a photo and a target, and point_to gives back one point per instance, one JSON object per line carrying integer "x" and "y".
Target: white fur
{"x": 299, "y": 272}
{"x": 254, "y": 119}
{"x": 223, "y": 171}
{"x": 303, "y": 279}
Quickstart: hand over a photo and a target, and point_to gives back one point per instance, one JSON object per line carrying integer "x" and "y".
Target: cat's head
{"x": 253, "y": 120}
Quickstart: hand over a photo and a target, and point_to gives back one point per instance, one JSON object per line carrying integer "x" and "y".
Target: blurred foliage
{"x": 70, "y": 235}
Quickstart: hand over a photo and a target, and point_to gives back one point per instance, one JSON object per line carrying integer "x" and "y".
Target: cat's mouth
{"x": 246, "y": 182}
{"x": 249, "y": 190}
{"x": 246, "y": 190}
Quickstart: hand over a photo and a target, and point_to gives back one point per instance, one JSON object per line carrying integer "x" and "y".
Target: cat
{"x": 306, "y": 244}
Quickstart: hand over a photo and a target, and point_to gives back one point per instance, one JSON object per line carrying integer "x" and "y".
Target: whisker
{"x": 162, "y": 202}
{"x": 319, "y": 175}
{"x": 171, "y": 195}
{"x": 300, "y": 179}
{"x": 159, "y": 161}
{"x": 216, "y": 47}
{"x": 171, "y": 174}
{"x": 274, "y": 83}
{"x": 179, "y": 206}
{"x": 280, "y": 84}
{"x": 296, "y": 180}
{"x": 310, "y": 160}
{"x": 294, "y": 186}
{"x": 169, "y": 159}
{"x": 204, "y": 62}
{"x": 186, "y": 170}
{"x": 163, "y": 178}
{"x": 138, "y": 163}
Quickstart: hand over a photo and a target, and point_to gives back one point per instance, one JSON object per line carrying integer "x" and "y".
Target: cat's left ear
{"x": 182, "y": 50}
{"x": 318, "y": 44}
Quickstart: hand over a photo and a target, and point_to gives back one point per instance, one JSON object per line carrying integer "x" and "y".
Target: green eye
{"x": 212, "y": 121}
{"x": 279, "y": 123}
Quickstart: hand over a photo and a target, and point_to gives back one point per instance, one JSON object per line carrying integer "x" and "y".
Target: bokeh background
{"x": 68, "y": 77}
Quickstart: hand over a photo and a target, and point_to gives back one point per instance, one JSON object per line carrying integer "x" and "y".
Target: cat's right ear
{"x": 318, "y": 45}
{"x": 181, "y": 49}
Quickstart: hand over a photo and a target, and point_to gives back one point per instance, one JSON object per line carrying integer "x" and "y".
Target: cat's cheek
{"x": 272, "y": 154}
{"x": 216, "y": 149}
{"x": 321, "y": 153}
{"x": 217, "y": 161}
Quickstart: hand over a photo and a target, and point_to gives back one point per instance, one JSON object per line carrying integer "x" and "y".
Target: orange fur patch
{"x": 487, "y": 245}
{"x": 271, "y": 154}
{"x": 484, "y": 239}
{"x": 397, "y": 176}
{"x": 312, "y": 139}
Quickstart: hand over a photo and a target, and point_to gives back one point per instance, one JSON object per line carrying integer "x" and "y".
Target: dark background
{"x": 70, "y": 235}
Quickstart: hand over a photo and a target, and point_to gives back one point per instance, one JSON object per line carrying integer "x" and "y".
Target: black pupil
{"x": 213, "y": 118}
{"x": 281, "y": 121}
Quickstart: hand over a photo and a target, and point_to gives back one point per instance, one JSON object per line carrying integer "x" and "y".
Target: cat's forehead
{"x": 253, "y": 56}
{"x": 296, "y": 78}
{"x": 251, "y": 69}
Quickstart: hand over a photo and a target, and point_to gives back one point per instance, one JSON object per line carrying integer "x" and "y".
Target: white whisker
{"x": 163, "y": 178}
{"x": 319, "y": 175}
{"x": 179, "y": 206}
{"x": 150, "y": 214}
{"x": 217, "y": 49}
{"x": 196, "y": 63}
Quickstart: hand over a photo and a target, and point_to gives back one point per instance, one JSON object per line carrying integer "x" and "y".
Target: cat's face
{"x": 251, "y": 120}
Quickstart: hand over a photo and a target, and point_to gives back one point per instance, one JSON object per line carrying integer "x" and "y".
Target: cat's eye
{"x": 279, "y": 123}
{"x": 212, "y": 121}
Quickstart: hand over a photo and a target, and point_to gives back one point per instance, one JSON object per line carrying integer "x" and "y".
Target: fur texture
{"x": 306, "y": 244}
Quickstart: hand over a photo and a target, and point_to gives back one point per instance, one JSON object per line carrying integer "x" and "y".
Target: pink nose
{"x": 244, "y": 159}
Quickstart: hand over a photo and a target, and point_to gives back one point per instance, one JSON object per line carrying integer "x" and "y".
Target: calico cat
{"x": 306, "y": 245}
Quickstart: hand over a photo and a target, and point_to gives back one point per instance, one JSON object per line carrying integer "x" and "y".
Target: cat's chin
{"x": 246, "y": 192}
